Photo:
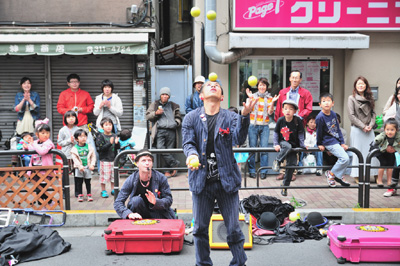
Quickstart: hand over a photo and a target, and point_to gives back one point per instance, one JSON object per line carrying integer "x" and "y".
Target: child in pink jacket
{"x": 43, "y": 158}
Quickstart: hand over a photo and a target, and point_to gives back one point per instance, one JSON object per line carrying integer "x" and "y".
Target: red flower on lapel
{"x": 224, "y": 132}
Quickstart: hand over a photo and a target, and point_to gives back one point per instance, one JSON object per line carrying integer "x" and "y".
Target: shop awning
{"x": 74, "y": 44}
{"x": 299, "y": 40}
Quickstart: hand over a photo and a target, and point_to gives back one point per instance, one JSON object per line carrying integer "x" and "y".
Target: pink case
{"x": 372, "y": 243}
{"x": 145, "y": 236}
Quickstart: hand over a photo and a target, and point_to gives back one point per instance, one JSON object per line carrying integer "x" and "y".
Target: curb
{"x": 103, "y": 218}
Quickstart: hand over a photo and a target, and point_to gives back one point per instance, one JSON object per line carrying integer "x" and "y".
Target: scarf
{"x": 264, "y": 95}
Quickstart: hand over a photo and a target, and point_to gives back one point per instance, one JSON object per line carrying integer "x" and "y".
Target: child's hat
{"x": 290, "y": 102}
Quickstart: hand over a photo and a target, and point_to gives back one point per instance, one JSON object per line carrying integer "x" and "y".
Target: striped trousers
{"x": 203, "y": 206}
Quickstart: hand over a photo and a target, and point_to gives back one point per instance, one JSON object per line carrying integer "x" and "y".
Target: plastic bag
{"x": 309, "y": 160}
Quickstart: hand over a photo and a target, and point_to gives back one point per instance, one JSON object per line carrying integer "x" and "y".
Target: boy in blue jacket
{"x": 330, "y": 137}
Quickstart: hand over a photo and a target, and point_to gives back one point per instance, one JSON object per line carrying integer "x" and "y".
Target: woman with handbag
{"x": 27, "y": 105}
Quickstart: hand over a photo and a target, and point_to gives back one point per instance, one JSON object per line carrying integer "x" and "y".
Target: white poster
{"x": 311, "y": 76}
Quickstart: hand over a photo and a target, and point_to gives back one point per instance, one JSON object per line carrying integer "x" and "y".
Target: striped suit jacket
{"x": 194, "y": 141}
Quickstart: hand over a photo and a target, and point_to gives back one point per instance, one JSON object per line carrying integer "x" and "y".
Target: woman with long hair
{"x": 360, "y": 106}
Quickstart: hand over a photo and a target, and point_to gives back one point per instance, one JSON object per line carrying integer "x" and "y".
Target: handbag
{"x": 309, "y": 160}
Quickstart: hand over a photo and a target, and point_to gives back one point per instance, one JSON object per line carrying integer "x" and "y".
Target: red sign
{"x": 331, "y": 15}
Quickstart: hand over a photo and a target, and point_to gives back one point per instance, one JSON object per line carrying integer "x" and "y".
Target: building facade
{"x": 331, "y": 42}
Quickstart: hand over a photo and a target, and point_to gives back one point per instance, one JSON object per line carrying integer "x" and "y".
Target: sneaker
{"x": 112, "y": 192}
{"x": 390, "y": 192}
{"x": 104, "y": 194}
{"x": 342, "y": 182}
{"x": 275, "y": 166}
{"x": 89, "y": 197}
{"x": 80, "y": 198}
{"x": 300, "y": 172}
{"x": 263, "y": 176}
{"x": 319, "y": 172}
{"x": 284, "y": 192}
{"x": 330, "y": 179}
{"x": 252, "y": 175}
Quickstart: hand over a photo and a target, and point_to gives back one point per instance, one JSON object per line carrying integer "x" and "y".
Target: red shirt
{"x": 305, "y": 103}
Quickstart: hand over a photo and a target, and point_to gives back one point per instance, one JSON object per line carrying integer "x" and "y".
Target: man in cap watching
{"x": 208, "y": 135}
{"x": 166, "y": 119}
{"x": 193, "y": 101}
{"x": 149, "y": 192}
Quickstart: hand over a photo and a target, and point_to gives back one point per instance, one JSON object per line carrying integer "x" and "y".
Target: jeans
{"x": 258, "y": 136}
{"x": 166, "y": 139}
{"x": 291, "y": 160}
{"x": 342, "y": 162}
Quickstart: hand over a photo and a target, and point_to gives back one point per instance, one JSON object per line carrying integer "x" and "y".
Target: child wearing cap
{"x": 288, "y": 134}
{"x": 329, "y": 137}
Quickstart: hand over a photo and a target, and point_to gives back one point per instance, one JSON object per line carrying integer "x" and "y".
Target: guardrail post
{"x": 368, "y": 175}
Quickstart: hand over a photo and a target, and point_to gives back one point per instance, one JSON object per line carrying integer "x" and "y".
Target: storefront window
{"x": 316, "y": 73}
{"x": 271, "y": 69}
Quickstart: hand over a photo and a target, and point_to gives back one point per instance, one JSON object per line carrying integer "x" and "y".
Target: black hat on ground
{"x": 143, "y": 152}
{"x": 268, "y": 221}
{"x": 316, "y": 219}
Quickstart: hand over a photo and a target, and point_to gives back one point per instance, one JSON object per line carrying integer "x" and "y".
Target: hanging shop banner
{"x": 329, "y": 15}
{"x": 72, "y": 48}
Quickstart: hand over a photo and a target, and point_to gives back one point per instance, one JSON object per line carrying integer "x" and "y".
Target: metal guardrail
{"x": 360, "y": 166}
{"x": 65, "y": 176}
{"x": 368, "y": 168}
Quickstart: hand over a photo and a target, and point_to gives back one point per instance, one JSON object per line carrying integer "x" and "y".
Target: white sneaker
{"x": 390, "y": 192}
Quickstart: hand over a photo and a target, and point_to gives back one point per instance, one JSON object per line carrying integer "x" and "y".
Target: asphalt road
{"x": 88, "y": 248}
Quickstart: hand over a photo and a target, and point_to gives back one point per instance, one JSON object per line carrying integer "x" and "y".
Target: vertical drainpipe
{"x": 210, "y": 45}
{"x": 210, "y": 42}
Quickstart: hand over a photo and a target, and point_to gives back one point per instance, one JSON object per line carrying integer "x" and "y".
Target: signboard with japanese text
{"x": 71, "y": 48}
{"x": 329, "y": 15}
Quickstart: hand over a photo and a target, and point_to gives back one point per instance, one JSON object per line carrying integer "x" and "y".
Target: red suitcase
{"x": 145, "y": 236}
{"x": 368, "y": 243}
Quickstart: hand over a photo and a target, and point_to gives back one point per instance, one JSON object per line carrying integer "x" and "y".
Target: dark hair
{"x": 42, "y": 127}
{"x": 24, "y": 79}
{"x": 23, "y": 135}
{"x": 264, "y": 81}
{"x": 367, "y": 93}
{"x": 105, "y": 120}
{"x": 73, "y": 76}
{"x": 79, "y": 132}
{"x": 301, "y": 74}
{"x": 105, "y": 83}
{"x": 68, "y": 114}
{"x": 391, "y": 121}
{"x": 310, "y": 117}
{"x": 325, "y": 95}
{"x": 233, "y": 109}
{"x": 339, "y": 118}
{"x": 125, "y": 134}
{"x": 396, "y": 91}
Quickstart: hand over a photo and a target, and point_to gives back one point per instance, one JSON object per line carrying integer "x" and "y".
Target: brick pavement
{"x": 315, "y": 198}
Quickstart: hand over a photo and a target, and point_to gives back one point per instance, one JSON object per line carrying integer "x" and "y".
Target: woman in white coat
{"x": 108, "y": 104}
